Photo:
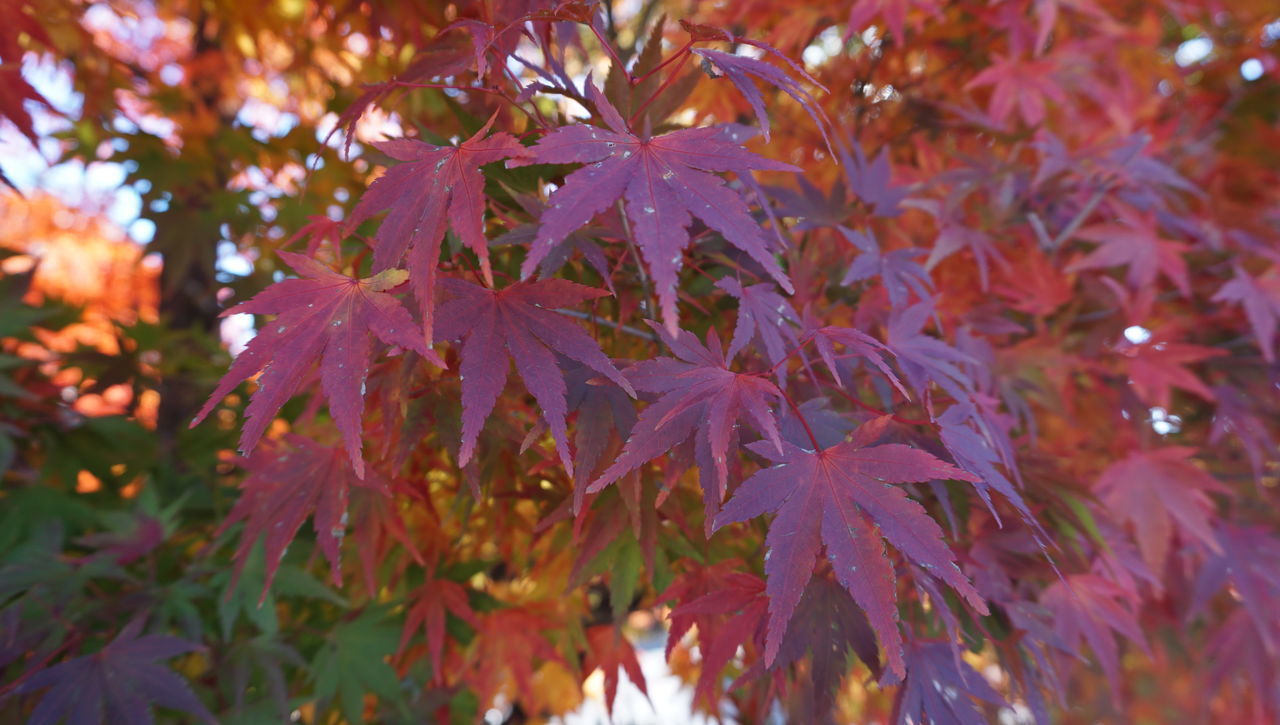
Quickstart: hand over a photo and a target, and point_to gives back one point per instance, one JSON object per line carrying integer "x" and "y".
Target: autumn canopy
{"x": 896, "y": 361}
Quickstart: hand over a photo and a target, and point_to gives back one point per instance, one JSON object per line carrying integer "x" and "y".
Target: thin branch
{"x": 633, "y": 331}
{"x": 1082, "y": 215}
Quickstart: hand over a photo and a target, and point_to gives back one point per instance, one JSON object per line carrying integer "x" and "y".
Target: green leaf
{"x": 624, "y": 574}
{"x": 353, "y": 661}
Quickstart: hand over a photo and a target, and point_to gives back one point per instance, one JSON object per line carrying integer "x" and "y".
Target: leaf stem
{"x": 671, "y": 78}
{"x": 663, "y": 64}
{"x": 796, "y": 409}
{"x": 613, "y": 55}
{"x": 871, "y": 408}
{"x": 787, "y": 357}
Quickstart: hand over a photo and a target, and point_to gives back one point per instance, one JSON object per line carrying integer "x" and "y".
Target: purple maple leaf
{"x": 117, "y": 684}
{"x": 663, "y": 182}
{"x": 519, "y": 323}
{"x": 702, "y": 397}
{"x": 844, "y": 497}
{"x": 898, "y": 271}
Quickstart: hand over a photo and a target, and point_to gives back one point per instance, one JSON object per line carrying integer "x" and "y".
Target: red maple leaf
{"x": 1026, "y": 84}
{"x": 701, "y": 397}
{"x": 728, "y": 609}
{"x": 435, "y": 186}
{"x": 1087, "y": 608}
{"x": 378, "y": 529}
{"x": 117, "y": 684}
{"x": 318, "y": 230}
{"x": 892, "y": 12}
{"x": 664, "y": 184}
{"x": 1157, "y": 492}
{"x": 1135, "y": 242}
{"x": 322, "y": 315}
{"x": 15, "y": 94}
{"x": 1156, "y": 366}
{"x": 285, "y": 485}
{"x": 843, "y": 497}
{"x": 508, "y": 644}
{"x": 1261, "y": 300}
{"x": 519, "y": 323}
{"x": 431, "y": 602}
{"x": 611, "y": 652}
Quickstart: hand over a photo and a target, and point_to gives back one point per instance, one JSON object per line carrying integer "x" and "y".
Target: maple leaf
{"x": 1156, "y": 366}
{"x": 663, "y": 183}
{"x": 1261, "y": 300}
{"x": 609, "y": 651}
{"x": 937, "y": 685}
{"x": 288, "y": 481}
{"x": 601, "y": 409}
{"x": 1159, "y": 490}
{"x": 318, "y": 230}
{"x": 117, "y": 684}
{"x": 740, "y": 69}
{"x": 924, "y": 358}
{"x": 700, "y": 396}
{"x": 123, "y": 547}
{"x": 508, "y": 643}
{"x": 811, "y": 208}
{"x": 1087, "y": 608}
{"x": 898, "y": 271}
{"x": 856, "y": 344}
{"x": 378, "y": 529}
{"x": 893, "y": 12}
{"x": 954, "y": 237}
{"x": 728, "y": 609}
{"x": 447, "y": 54}
{"x": 434, "y": 186}
{"x": 1248, "y": 558}
{"x": 352, "y": 663}
{"x": 556, "y": 259}
{"x": 519, "y": 323}
{"x": 1135, "y": 243}
{"x": 763, "y": 315}
{"x": 844, "y": 497}
{"x": 870, "y": 181}
{"x": 1237, "y": 650}
{"x": 1027, "y": 84}
{"x": 322, "y": 315}
{"x": 827, "y": 625}
{"x": 1238, "y": 415}
{"x": 1034, "y": 285}
{"x": 15, "y": 94}
{"x": 432, "y": 600}
{"x": 973, "y": 451}
{"x": 1046, "y": 12}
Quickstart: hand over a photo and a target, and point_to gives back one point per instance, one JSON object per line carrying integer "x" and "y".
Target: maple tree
{"x": 891, "y": 361}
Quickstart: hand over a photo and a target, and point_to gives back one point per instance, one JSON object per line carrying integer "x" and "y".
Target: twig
{"x": 633, "y": 331}
{"x": 1082, "y": 215}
